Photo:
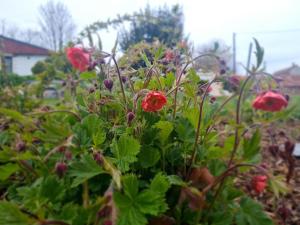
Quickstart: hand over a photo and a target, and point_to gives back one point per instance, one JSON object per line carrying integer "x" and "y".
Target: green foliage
{"x": 10, "y": 214}
{"x": 134, "y": 205}
{"x": 251, "y": 213}
{"x": 84, "y": 169}
{"x": 125, "y": 151}
{"x": 62, "y": 160}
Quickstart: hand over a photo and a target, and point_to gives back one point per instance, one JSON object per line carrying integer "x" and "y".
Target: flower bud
{"x": 107, "y": 222}
{"x": 130, "y": 117}
{"x": 212, "y": 99}
{"x": 20, "y": 146}
{"x": 284, "y": 212}
{"x": 124, "y": 79}
{"x": 61, "y": 168}
{"x": 259, "y": 183}
{"x": 68, "y": 154}
{"x": 105, "y": 211}
{"x": 98, "y": 158}
{"x": 91, "y": 90}
{"x": 108, "y": 83}
{"x": 222, "y": 71}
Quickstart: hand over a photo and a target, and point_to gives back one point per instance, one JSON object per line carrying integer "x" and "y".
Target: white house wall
{"x": 22, "y": 64}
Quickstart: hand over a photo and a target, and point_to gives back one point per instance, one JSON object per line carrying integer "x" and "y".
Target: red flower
{"x": 270, "y": 101}
{"x": 169, "y": 55}
{"x": 259, "y": 183}
{"x": 154, "y": 101}
{"x": 79, "y": 58}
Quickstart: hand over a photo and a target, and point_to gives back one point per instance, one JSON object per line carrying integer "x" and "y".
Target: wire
{"x": 271, "y": 31}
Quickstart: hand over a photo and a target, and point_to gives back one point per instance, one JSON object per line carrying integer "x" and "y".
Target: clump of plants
{"x": 152, "y": 147}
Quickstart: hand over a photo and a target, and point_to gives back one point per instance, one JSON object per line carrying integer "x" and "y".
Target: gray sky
{"x": 204, "y": 20}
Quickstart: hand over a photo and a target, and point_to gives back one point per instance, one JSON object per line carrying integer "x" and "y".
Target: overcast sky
{"x": 275, "y": 23}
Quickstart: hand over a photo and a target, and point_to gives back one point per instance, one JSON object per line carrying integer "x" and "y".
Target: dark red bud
{"x": 124, "y": 79}
{"x": 284, "y": 212}
{"x": 61, "y": 168}
{"x": 68, "y": 155}
{"x": 287, "y": 97}
{"x": 105, "y": 211}
{"x": 130, "y": 117}
{"x": 107, "y": 222}
{"x": 98, "y": 158}
{"x": 222, "y": 71}
{"x": 20, "y": 146}
{"x": 108, "y": 83}
{"x": 91, "y": 90}
{"x": 212, "y": 99}
{"x": 61, "y": 149}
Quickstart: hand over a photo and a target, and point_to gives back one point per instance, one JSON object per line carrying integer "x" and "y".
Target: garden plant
{"x": 143, "y": 145}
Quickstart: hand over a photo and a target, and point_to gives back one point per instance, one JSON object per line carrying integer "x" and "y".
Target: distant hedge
{"x": 14, "y": 79}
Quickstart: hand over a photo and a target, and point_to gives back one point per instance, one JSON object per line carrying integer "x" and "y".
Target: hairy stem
{"x": 194, "y": 153}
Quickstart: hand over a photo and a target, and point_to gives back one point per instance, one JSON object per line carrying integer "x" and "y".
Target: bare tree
{"x": 56, "y": 23}
{"x": 8, "y": 29}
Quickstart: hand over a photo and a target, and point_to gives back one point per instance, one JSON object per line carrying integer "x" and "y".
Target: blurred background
{"x": 231, "y": 23}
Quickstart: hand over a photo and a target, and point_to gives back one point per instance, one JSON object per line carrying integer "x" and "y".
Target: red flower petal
{"x": 78, "y": 58}
{"x": 154, "y": 101}
{"x": 270, "y": 101}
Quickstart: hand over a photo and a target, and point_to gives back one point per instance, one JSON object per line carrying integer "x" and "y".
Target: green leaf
{"x": 52, "y": 189}
{"x": 170, "y": 78}
{"x": 251, "y": 213}
{"x": 278, "y": 185}
{"x": 7, "y": 170}
{"x": 251, "y": 147}
{"x": 17, "y": 116}
{"x": 133, "y": 205}
{"x": 146, "y": 60}
{"x": 259, "y": 53}
{"x": 84, "y": 169}
{"x": 11, "y": 215}
{"x": 148, "y": 157}
{"x": 88, "y": 75}
{"x": 125, "y": 150}
{"x": 160, "y": 184}
{"x": 176, "y": 180}
{"x": 131, "y": 185}
{"x": 165, "y": 129}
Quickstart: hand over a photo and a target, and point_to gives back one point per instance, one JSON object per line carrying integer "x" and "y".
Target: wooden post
{"x": 234, "y": 52}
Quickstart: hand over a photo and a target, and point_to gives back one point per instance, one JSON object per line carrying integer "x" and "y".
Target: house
{"x": 289, "y": 79}
{"x": 20, "y": 57}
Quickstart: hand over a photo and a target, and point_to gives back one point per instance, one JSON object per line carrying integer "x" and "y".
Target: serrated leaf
{"x": 251, "y": 213}
{"x": 88, "y": 75}
{"x": 11, "y": 215}
{"x": 125, "y": 151}
{"x": 131, "y": 185}
{"x": 84, "y": 169}
{"x": 278, "y": 185}
{"x": 8, "y": 169}
{"x": 176, "y": 180}
{"x": 17, "y": 116}
{"x": 165, "y": 129}
{"x": 52, "y": 189}
{"x": 146, "y": 60}
{"x": 251, "y": 147}
{"x": 148, "y": 157}
{"x": 160, "y": 184}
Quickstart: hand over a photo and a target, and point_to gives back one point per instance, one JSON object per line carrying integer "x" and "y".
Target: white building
{"x": 20, "y": 57}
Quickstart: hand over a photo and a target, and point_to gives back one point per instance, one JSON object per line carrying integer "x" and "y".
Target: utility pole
{"x": 234, "y": 52}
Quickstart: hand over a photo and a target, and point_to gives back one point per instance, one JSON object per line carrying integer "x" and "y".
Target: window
{"x": 8, "y": 64}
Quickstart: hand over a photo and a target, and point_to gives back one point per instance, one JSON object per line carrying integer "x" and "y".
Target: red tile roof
{"x": 15, "y": 47}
